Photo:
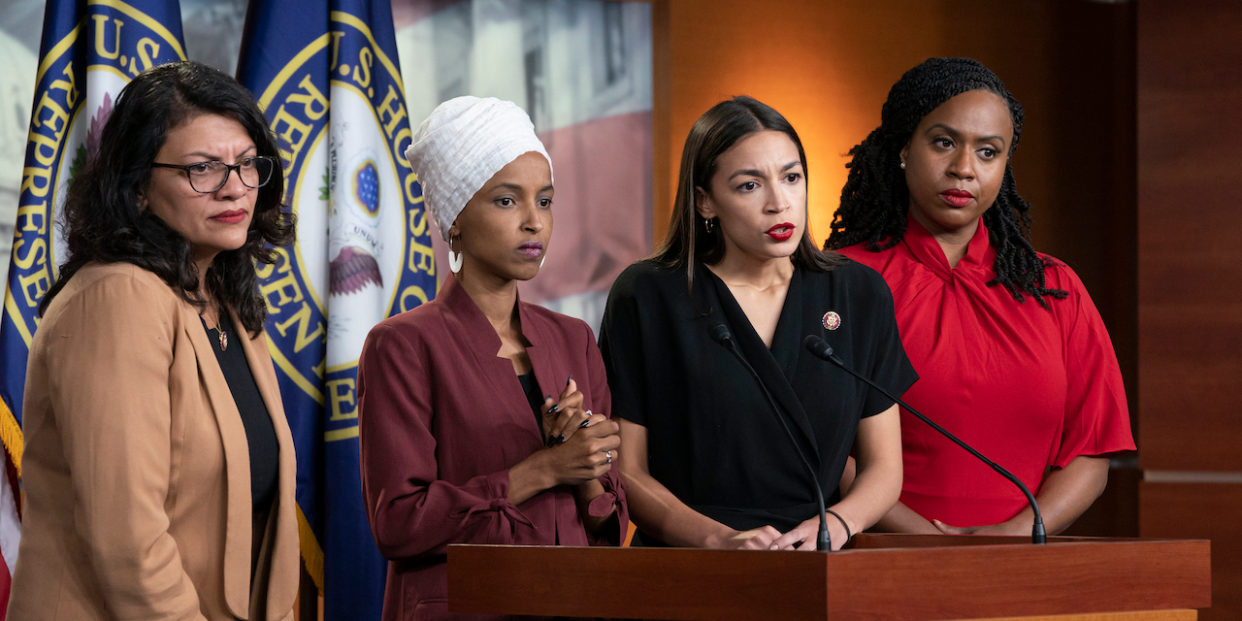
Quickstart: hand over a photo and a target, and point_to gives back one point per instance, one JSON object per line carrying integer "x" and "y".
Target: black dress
{"x": 711, "y": 437}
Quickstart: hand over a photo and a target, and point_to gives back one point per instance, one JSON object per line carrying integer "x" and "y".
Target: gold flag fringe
{"x": 11, "y": 434}
{"x": 312, "y": 554}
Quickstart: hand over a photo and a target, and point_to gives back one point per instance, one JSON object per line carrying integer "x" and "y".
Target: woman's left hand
{"x": 1064, "y": 495}
{"x": 806, "y": 534}
{"x": 1004, "y": 529}
{"x": 565, "y": 416}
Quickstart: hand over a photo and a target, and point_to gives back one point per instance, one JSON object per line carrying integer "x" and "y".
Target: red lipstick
{"x": 781, "y": 232}
{"x": 956, "y": 197}
{"x": 230, "y": 217}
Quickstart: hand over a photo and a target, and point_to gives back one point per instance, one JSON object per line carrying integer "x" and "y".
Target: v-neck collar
{"x": 785, "y": 341}
{"x": 923, "y": 245}
{"x": 483, "y": 341}
{"x": 480, "y": 337}
{"x": 775, "y": 366}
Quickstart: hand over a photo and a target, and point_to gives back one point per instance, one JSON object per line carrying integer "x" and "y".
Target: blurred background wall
{"x": 1190, "y": 281}
{"x": 582, "y": 70}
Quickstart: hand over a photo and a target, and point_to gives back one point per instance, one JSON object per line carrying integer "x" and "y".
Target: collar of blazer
{"x": 282, "y": 586}
{"x": 546, "y": 349}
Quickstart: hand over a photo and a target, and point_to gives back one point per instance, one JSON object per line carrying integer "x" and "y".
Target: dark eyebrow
{"x": 215, "y": 158}
{"x": 753, "y": 172}
{"x": 508, "y": 186}
{"x": 513, "y": 187}
{"x": 955, "y": 132}
{"x": 748, "y": 172}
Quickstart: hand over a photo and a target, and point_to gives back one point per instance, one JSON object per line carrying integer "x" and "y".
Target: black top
{"x": 711, "y": 436}
{"x": 530, "y": 386}
{"x": 260, "y": 434}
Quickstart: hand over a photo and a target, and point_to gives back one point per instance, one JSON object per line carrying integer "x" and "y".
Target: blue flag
{"x": 90, "y": 51}
{"x": 325, "y": 73}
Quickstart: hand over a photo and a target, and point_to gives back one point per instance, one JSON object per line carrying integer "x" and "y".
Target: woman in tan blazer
{"x": 159, "y": 469}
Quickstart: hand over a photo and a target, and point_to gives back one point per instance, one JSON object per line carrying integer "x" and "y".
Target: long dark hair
{"x": 715, "y": 132}
{"x": 875, "y": 198}
{"x": 102, "y": 216}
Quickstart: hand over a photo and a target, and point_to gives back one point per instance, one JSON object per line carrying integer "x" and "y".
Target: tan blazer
{"x": 136, "y": 468}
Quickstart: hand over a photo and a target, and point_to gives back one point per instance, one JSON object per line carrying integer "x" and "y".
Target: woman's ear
{"x": 905, "y": 152}
{"x": 703, "y": 204}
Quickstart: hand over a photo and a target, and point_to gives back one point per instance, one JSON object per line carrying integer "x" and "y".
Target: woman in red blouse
{"x": 1011, "y": 353}
{"x": 483, "y": 419}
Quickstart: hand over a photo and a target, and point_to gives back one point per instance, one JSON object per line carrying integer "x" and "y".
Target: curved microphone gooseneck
{"x": 822, "y": 350}
{"x": 720, "y": 333}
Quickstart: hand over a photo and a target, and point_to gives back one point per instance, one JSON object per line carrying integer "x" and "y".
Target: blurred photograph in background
{"x": 582, "y": 70}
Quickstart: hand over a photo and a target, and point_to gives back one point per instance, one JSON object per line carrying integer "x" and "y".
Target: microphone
{"x": 821, "y": 349}
{"x": 720, "y": 334}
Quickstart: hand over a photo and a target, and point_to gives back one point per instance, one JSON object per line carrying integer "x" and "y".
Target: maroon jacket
{"x": 441, "y": 421}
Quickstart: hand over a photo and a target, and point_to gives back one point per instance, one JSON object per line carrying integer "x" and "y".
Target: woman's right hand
{"x": 592, "y": 455}
{"x": 587, "y": 454}
{"x": 581, "y": 448}
{"x": 756, "y": 539}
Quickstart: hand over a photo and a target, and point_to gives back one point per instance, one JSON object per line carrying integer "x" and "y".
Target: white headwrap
{"x": 462, "y": 145}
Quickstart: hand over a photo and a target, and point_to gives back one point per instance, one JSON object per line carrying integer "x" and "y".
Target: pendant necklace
{"x": 224, "y": 336}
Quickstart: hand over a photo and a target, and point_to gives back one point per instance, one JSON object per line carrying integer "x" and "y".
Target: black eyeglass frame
{"x": 229, "y": 168}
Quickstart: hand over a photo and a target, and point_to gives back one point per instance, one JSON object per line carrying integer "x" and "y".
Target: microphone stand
{"x": 823, "y": 350}
{"x": 720, "y": 333}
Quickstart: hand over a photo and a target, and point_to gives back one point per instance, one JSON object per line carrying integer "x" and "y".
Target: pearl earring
{"x": 903, "y": 165}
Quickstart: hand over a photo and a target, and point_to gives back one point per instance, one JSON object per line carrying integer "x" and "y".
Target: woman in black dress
{"x": 706, "y": 462}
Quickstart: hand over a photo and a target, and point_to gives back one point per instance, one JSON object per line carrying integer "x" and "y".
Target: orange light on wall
{"x": 827, "y": 67}
{"x": 802, "y": 57}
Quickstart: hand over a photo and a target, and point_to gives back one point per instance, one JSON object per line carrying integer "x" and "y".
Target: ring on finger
{"x": 608, "y": 454}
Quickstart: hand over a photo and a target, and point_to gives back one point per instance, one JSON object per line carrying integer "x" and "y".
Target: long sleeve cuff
{"x": 602, "y": 505}
{"x": 498, "y": 488}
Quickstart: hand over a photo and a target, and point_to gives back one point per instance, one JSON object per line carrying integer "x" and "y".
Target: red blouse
{"x": 1028, "y": 387}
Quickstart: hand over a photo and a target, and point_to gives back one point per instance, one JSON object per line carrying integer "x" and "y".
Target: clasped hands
{"x": 581, "y": 445}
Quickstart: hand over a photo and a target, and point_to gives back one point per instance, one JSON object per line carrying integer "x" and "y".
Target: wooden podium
{"x": 881, "y": 577}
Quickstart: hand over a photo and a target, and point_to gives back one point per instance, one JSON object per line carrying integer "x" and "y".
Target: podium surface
{"x": 882, "y": 577}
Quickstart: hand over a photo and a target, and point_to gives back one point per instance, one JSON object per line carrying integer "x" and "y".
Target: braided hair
{"x": 875, "y": 198}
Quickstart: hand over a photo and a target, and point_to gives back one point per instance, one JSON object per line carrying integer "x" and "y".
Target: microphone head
{"x": 720, "y": 334}
{"x": 818, "y": 346}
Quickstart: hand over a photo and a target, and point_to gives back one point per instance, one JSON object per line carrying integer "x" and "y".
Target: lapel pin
{"x": 832, "y": 320}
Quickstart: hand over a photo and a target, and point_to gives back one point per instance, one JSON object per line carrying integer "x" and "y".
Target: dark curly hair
{"x": 715, "y": 132}
{"x": 875, "y": 198}
{"x": 105, "y": 225}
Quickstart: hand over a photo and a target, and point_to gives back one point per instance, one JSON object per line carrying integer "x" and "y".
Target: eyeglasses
{"x": 207, "y": 177}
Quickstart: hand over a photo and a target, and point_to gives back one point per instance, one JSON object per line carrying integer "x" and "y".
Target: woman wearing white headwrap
{"x": 483, "y": 419}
